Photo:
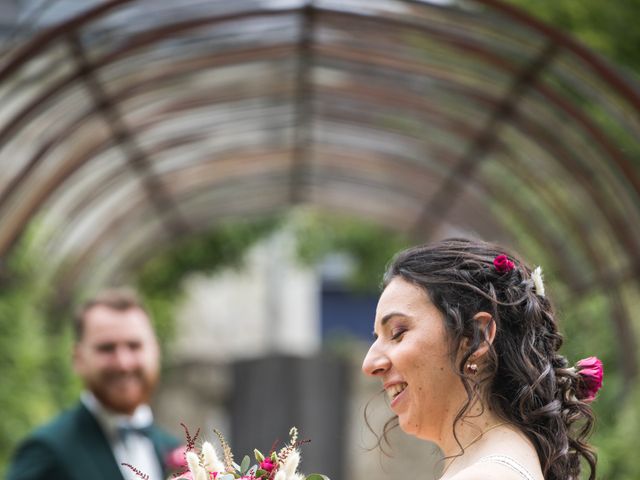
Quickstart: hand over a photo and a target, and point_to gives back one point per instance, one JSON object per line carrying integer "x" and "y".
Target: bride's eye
{"x": 396, "y": 334}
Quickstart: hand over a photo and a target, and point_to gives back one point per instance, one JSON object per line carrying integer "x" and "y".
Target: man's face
{"x": 118, "y": 357}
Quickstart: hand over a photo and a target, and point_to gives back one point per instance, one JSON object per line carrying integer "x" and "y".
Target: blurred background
{"x": 250, "y": 166}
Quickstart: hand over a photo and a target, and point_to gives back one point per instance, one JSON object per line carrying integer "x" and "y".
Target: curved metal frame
{"x": 168, "y": 203}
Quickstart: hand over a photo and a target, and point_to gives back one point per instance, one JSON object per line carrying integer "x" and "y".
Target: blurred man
{"x": 117, "y": 357}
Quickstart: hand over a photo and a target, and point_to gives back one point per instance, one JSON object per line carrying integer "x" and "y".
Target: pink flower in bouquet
{"x": 175, "y": 459}
{"x": 591, "y": 372}
{"x": 267, "y": 465}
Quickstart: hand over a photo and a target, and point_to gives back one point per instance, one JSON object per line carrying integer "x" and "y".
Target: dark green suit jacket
{"x": 74, "y": 447}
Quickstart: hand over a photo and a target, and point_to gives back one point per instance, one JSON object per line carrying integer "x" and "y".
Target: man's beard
{"x": 114, "y": 390}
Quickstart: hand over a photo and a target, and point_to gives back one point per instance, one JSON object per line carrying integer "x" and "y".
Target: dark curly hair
{"x": 525, "y": 381}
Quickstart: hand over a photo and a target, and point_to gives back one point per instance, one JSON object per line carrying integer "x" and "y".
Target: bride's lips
{"x": 395, "y": 391}
{"x": 398, "y": 398}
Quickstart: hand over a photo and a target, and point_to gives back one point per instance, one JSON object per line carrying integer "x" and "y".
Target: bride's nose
{"x": 375, "y": 362}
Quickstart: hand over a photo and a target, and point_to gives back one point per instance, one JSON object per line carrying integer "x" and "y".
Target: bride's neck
{"x": 468, "y": 431}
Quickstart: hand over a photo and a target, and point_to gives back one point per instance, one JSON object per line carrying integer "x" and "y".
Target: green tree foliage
{"x": 36, "y": 378}
{"x": 610, "y": 28}
{"x": 369, "y": 246}
{"x": 160, "y": 279}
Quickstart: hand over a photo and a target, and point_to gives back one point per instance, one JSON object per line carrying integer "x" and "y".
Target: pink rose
{"x": 176, "y": 459}
{"x": 591, "y": 372}
{"x": 503, "y": 264}
{"x": 267, "y": 465}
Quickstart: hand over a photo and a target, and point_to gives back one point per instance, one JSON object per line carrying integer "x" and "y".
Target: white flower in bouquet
{"x": 211, "y": 461}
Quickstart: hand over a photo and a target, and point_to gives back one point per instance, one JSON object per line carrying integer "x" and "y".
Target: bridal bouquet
{"x": 205, "y": 464}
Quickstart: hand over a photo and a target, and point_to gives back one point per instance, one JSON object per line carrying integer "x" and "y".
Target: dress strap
{"x": 510, "y": 462}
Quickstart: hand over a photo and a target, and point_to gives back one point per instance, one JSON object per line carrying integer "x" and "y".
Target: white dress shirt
{"x": 134, "y": 448}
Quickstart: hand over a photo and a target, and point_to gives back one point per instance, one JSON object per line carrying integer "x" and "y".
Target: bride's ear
{"x": 487, "y": 326}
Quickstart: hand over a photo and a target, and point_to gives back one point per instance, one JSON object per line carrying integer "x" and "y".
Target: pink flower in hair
{"x": 503, "y": 264}
{"x": 591, "y": 372}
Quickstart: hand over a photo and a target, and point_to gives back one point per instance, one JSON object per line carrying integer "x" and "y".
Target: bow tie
{"x": 124, "y": 430}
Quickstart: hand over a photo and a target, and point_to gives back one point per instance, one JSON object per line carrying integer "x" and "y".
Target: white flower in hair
{"x": 536, "y": 276}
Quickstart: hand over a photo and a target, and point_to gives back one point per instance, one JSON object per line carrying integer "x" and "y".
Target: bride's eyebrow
{"x": 390, "y": 315}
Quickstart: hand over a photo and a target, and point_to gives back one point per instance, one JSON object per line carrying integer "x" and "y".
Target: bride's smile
{"x": 411, "y": 358}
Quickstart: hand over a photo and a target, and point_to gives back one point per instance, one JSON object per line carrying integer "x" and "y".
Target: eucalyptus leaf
{"x": 244, "y": 466}
{"x": 317, "y": 476}
{"x": 226, "y": 476}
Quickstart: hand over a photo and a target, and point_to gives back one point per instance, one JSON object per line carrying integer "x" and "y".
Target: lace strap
{"x": 508, "y": 462}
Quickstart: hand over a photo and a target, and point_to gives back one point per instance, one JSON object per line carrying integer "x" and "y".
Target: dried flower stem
{"x": 191, "y": 441}
{"x": 226, "y": 450}
{"x": 138, "y": 473}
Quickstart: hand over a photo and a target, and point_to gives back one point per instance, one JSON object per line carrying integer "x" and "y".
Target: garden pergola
{"x": 129, "y": 124}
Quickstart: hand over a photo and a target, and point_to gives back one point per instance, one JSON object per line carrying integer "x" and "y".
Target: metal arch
{"x": 125, "y": 140}
{"x": 490, "y": 58}
{"x": 551, "y": 145}
{"x": 303, "y": 104}
{"x": 604, "y": 71}
{"x": 464, "y": 168}
{"x": 134, "y": 87}
{"x": 623, "y": 232}
{"x": 484, "y": 138}
{"x": 608, "y": 149}
{"x": 147, "y": 37}
{"x": 199, "y": 164}
{"x": 600, "y": 67}
{"x": 90, "y": 152}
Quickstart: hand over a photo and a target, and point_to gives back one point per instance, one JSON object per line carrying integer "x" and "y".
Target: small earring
{"x": 472, "y": 368}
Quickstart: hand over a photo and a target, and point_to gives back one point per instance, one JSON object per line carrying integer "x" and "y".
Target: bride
{"x": 466, "y": 347}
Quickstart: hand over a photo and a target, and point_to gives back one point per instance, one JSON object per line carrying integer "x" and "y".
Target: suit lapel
{"x": 93, "y": 454}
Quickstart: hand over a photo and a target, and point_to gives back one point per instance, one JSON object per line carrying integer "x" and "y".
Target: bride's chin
{"x": 408, "y": 427}
{"x": 415, "y": 429}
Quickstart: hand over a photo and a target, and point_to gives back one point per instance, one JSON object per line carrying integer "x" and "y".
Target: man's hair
{"x": 120, "y": 299}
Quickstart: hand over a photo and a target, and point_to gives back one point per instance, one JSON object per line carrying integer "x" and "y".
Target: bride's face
{"x": 411, "y": 358}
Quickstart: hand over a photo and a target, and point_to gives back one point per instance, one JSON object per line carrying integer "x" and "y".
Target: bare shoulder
{"x": 488, "y": 470}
